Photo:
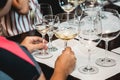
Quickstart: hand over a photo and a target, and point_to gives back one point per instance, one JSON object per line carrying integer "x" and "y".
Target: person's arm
{"x": 22, "y": 6}
{"x": 59, "y": 75}
{"x": 42, "y": 77}
{"x": 64, "y": 65}
{"x": 5, "y": 8}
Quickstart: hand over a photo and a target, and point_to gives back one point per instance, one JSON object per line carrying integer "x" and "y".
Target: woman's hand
{"x": 33, "y": 43}
{"x": 64, "y": 64}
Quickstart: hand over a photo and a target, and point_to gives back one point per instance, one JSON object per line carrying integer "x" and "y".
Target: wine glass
{"x": 101, "y": 4}
{"x": 90, "y": 36}
{"x": 69, "y": 5}
{"x": 52, "y": 21}
{"x": 111, "y": 29}
{"x": 68, "y": 28}
{"x": 46, "y": 9}
{"x": 42, "y": 27}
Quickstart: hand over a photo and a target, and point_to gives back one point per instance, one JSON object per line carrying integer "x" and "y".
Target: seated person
{"x": 17, "y": 62}
{"x": 18, "y": 19}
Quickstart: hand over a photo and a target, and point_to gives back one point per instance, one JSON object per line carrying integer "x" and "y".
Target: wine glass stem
{"x": 43, "y": 50}
{"x": 65, "y": 42}
{"x": 102, "y": 3}
{"x": 89, "y": 58}
{"x": 106, "y": 48}
{"x": 50, "y": 41}
{"x": 68, "y": 16}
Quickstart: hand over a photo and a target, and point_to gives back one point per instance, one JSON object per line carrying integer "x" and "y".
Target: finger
{"x": 38, "y": 46}
{"x": 68, "y": 50}
{"x": 37, "y": 39}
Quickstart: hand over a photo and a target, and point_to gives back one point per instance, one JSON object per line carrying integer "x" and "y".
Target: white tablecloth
{"x": 81, "y": 54}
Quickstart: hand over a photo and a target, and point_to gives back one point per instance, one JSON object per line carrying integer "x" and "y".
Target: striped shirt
{"x": 15, "y": 23}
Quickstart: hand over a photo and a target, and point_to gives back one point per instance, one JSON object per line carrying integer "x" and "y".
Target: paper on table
{"x": 82, "y": 55}
{"x": 110, "y": 22}
{"x": 116, "y": 50}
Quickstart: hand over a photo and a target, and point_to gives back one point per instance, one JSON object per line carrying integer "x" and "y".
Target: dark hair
{"x": 2, "y": 3}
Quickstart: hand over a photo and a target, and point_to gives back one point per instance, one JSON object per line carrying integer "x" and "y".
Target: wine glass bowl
{"x": 111, "y": 30}
{"x": 67, "y": 5}
{"x": 45, "y": 9}
{"x": 101, "y": 4}
{"x": 68, "y": 28}
{"x": 52, "y": 22}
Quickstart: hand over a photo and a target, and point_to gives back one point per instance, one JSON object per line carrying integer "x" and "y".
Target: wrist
{"x": 59, "y": 75}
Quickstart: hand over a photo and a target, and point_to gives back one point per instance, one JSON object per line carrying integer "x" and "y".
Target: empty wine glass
{"x": 46, "y": 9}
{"x": 52, "y": 21}
{"x": 90, "y": 36}
{"x": 111, "y": 29}
{"x": 88, "y": 4}
{"x": 42, "y": 27}
{"x": 101, "y": 4}
{"x": 67, "y": 29}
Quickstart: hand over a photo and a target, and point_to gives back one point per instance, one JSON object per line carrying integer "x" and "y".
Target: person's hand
{"x": 21, "y": 6}
{"x": 65, "y": 63}
{"x": 33, "y": 43}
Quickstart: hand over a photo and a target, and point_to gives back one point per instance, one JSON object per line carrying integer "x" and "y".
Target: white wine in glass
{"x": 68, "y": 28}
{"x": 42, "y": 27}
{"x": 68, "y": 5}
{"x": 66, "y": 34}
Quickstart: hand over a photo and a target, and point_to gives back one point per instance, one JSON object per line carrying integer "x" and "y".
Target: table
{"x": 81, "y": 54}
{"x": 48, "y": 70}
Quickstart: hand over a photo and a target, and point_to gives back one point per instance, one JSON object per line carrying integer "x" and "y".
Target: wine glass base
{"x": 86, "y": 70}
{"x": 103, "y": 16}
{"x": 42, "y": 56}
{"x": 52, "y": 49}
{"x": 106, "y": 62}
